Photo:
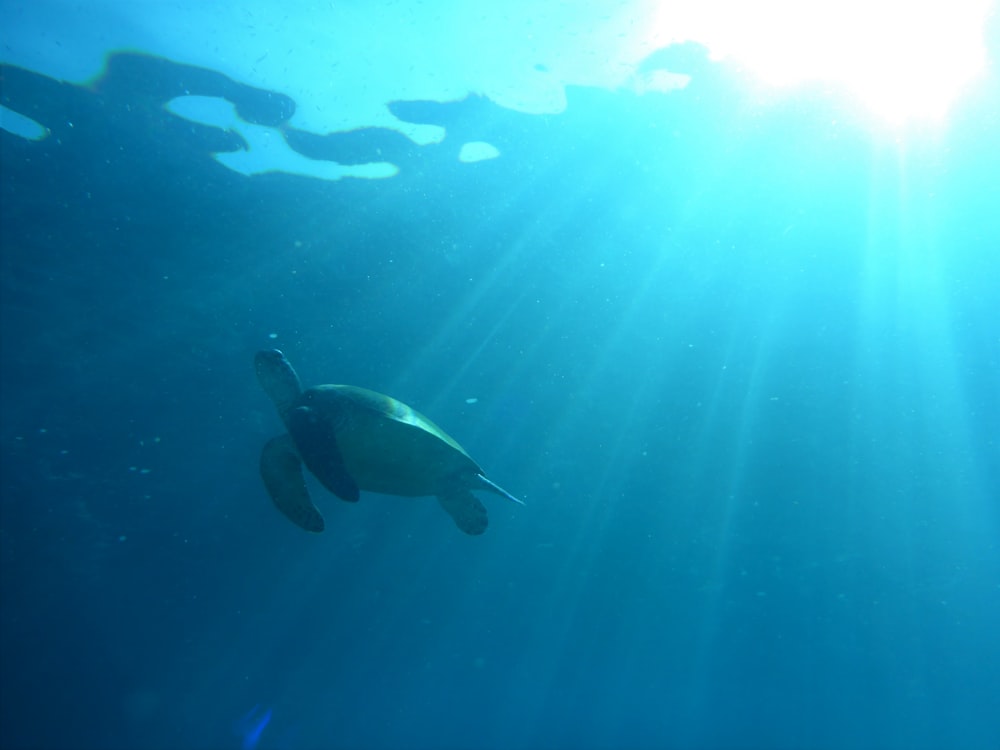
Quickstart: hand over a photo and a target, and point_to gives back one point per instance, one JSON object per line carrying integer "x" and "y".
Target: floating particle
{"x": 472, "y": 400}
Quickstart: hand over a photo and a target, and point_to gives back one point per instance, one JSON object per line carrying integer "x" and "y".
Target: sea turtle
{"x": 354, "y": 439}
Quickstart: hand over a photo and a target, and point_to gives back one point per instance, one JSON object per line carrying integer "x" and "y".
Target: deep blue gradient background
{"x": 739, "y": 357}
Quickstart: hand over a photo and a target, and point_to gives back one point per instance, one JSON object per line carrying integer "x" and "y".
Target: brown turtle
{"x": 353, "y": 439}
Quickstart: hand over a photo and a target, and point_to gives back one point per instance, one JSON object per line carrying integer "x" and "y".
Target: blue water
{"x": 742, "y": 363}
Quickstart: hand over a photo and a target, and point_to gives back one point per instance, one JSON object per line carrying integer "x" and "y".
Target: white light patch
{"x": 267, "y": 149}
{"x": 477, "y": 151}
{"x": 904, "y": 60}
{"x": 17, "y": 124}
{"x": 657, "y": 81}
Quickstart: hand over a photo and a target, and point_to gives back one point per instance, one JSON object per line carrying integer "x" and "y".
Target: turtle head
{"x": 278, "y": 379}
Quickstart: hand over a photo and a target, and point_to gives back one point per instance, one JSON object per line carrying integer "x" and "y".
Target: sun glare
{"x": 904, "y": 60}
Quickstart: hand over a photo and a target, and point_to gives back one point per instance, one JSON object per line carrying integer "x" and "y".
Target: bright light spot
{"x": 902, "y": 59}
{"x": 477, "y": 151}
{"x": 18, "y": 124}
{"x": 266, "y": 149}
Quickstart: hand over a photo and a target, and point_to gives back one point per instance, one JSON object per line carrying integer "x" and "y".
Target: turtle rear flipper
{"x": 281, "y": 471}
{"x": 465, "y": 510}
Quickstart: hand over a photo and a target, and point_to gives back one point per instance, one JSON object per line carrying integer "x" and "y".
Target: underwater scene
{"x": 435, "y": 375}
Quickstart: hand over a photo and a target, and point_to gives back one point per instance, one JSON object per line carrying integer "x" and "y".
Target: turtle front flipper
{"x": 281, "y": 471}
{"x": 316, "y": 439}
{"x": 465, "y": 510}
